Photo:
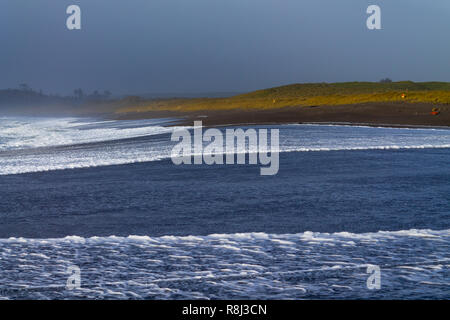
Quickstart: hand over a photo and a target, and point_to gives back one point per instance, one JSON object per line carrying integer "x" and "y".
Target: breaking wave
{"x": 42, "y": 144}
{"x": 224, "y": 266}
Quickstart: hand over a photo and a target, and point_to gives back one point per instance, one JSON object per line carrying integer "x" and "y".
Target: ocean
{"x": 105, "y": 197}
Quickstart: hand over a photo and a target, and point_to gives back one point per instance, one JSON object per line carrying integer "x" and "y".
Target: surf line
{"x": 238, "y": 142}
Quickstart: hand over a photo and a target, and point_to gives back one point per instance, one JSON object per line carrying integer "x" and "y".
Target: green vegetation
{"x": 295, "y": 95}
{"x": 314, "y": 94}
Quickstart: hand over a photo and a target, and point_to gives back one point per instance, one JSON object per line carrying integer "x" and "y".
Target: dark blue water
{"x": 153, "y": 230}
{"x": 354, "y": 191}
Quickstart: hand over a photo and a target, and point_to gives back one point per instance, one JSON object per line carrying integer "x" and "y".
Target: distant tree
{"x": 96, "y": 95}
{"x": 106, "y": 94}
{"x": 78, "y": 93}
{"x": 24, "y": 87}
{"x": 386, "y": 80}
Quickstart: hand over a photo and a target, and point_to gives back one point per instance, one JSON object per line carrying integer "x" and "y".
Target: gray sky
{"x": 144, "y": 46}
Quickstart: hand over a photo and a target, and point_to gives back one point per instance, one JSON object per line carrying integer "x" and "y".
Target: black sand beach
{"x": 380, "y": 114}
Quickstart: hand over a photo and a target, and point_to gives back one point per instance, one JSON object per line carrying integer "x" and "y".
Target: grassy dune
{"x": 315, "y": 94}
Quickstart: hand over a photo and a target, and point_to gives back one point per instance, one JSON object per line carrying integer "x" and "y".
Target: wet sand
{"x": 380, "y": 114}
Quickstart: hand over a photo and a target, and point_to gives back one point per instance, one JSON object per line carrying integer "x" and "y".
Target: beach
{"x": 379, "y": 114}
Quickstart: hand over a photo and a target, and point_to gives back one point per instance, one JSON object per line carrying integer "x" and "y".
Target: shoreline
{"x": 396, "y": 115}
{"x": 342, "y": 124}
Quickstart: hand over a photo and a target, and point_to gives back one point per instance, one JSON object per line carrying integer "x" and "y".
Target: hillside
{"x": 303, "y": 95}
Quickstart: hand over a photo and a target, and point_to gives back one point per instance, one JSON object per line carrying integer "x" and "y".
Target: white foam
{"x": 413, "y": 265}
{"x": 28, "y": 144}
{"x": 280, "y": 239}
{"x": 24, "y": 133}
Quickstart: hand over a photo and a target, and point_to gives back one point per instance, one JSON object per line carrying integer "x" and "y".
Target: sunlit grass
{"x": 317, "y": 94}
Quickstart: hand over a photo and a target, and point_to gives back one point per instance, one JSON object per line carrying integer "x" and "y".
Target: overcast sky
{"x": 145, "y": 46}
